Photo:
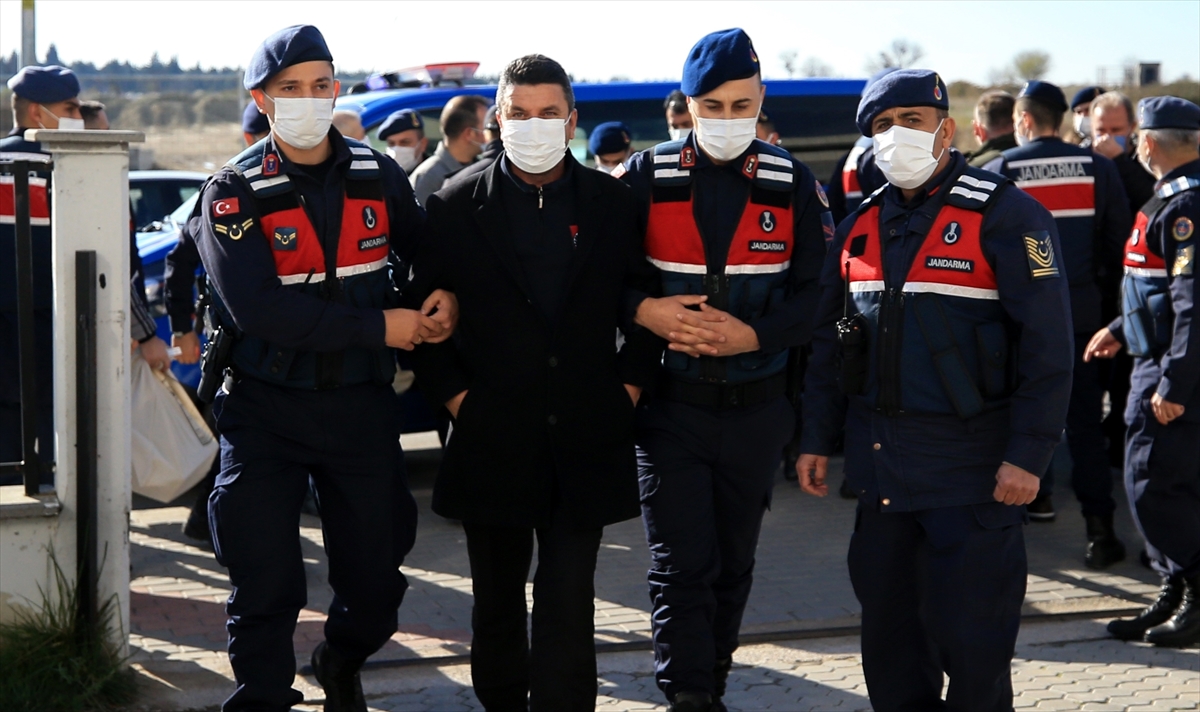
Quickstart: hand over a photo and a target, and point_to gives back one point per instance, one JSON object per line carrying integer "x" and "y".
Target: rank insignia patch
{"x": 1040, "y": 251}
{"x": 821, "y": 195}
{"x": 1185, "y": 262}
{"x": 284, "y": 239}
{"x": 234, "y": 231}
{"x": 270, "y": 165}
{"x": 1182, "y": 229}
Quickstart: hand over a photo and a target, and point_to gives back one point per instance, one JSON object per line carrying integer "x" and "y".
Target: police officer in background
{"x": 943, "y": 347}
{"x": 404, "y": 133}
{"x": 1158, "y": 328}
{"x": 296, "y": 234}
{"x": 993, "y": 127}
{"x": 610, "y": 145}
{"x": 679, "y": 119}
{"x": 736, "y": 228}
{"x": 1083, "y": 192}
{"x": 856, "y": 176}
{"x": 255, "y": 125}
{"x": 1081, "y": 114}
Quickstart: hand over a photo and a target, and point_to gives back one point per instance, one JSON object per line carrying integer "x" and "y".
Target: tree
{"x": 901, "y": 54}
{"x": 1030, "y": 65}
{"x": 789, "y": 62}
{"x": 52, "y": 55}
{"x": 814, "y": 67}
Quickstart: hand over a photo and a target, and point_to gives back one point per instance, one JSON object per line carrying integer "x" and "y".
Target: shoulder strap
{"x": 975, "y": 189}
{"x": 672, "y": 168}
{"x": 775, "y": 168}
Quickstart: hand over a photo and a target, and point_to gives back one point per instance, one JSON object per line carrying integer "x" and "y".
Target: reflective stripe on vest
{"x": 1064, "y": 185}
{"x": 1139, "y": 260}
{"x": 851, "y": 188}
{"x": 39, "y": 201}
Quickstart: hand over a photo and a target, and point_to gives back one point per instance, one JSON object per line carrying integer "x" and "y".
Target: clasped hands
{"x": 432, "y": 324}
{"x": 707, "y": 332}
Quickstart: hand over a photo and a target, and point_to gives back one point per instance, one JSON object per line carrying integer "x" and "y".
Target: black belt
{"x": 724, "y": 395}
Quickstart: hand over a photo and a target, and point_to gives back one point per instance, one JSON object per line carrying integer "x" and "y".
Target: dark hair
{"x": 461, "y": 113}
{"x": 676, "y": 102}
{"x": 994, "y": 111}
{"x": 90, "y": 109}
{"x": 535, "y": 69}
{"x": 1043, "y": 116}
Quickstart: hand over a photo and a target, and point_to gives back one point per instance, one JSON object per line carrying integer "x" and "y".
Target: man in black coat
{"x": 541, "y": 251}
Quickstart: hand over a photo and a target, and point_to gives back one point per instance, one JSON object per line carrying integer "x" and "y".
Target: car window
{"x": 184, "y": 211}
{"x": 154, "y": 200}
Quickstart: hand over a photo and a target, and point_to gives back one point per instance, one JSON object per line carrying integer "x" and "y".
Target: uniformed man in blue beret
{"x": 943, "y": 350}
{"x": 1083, "y": 192}
{"x": 255, "y": 125}
{"x": 1158, "y": 328}
{"x": 610, "y": 144}
{"x": 404, "y": 133}
{"x": 1081, "y": 113}
{"x": 298, "y": 234}
{"x": 737, "y": 229}
{"x": 43, "y": 97}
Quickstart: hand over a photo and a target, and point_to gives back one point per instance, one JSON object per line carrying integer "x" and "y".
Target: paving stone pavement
{"x": 801, "y": 584}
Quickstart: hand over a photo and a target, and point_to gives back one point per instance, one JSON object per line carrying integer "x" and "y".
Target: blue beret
{"x": 291, "y": 45}
{"x": 879, "y": 75}
{"x": 609, "y": 137}
{"x": 718, "y": 58}
{"x": 45, "y": 85}
{"x": 1168, "y": 112}
{"x": 903, "y": 87}
{"x": 1046, "y": 94}
{"x": 399, "y": 122}
{"x": 254, "y": 121}
{"x": 1085, "y": 96}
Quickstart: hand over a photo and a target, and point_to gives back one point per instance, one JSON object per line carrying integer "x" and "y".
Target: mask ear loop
{"x": 935, "y": 133}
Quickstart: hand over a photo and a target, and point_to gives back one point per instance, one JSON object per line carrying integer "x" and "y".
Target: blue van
{"x": 814, "y": 117}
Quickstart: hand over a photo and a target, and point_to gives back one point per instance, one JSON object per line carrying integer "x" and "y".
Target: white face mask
{"x": 405, "y": 156}
{"x": 1145, "y": 160}
{"x": 1083, "y": 125}
{"x": 302, "y": 122}
{"x": 679, "y": 134}
{"x": 906, "y": 155}
{"x": 534, "y": 145}
{"x": 605, "y": 169}
{"x": 725, "y": 139}
{"x": 65, "y": 123}
{"x": 1021, "y": 139}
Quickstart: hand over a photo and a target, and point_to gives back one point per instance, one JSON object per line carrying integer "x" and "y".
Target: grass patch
{"x": 50, "y": 660}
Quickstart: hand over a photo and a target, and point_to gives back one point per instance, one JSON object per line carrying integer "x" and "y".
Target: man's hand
{"x": 1015, "y": 486}
{"x": 810, "y": 473}
{"x": 405, "y": 328}
{"x": 455, "y": 403}
{"x": 1107, "y": 146}
{"x": 188, "y": 345}
{"x": 154, "y": 350}
{"x": 442, "y": 307}
{"x": 712, "y": 332}
{"x": 662, "y": 315}
{"x": 1164, "y": 410}
{"x": 1102, "y": 345}
{"x": 635, "y": 392}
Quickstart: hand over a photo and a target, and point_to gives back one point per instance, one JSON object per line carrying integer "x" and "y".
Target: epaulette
{"x": 770, "y": 167}
{"x": 1177, "y": 186}
{"x": 672, "y": 163}
{"x": 263, "y": 170}
{"x": 975, "y": 188}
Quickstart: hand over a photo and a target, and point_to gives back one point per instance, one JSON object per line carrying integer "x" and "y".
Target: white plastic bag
{"x": 172, "y": 445}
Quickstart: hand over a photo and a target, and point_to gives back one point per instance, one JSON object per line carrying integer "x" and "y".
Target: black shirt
{"x": 544, "y": 233}
{"x": 1139, "y": 185}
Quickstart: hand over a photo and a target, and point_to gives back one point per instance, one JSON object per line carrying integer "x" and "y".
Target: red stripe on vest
{"x": 1065, "y": 196}
{"x": 39, "y": 202}
{"x": 358, "y": 243}
{"x": 1137, "y": 247}
{"x": 672, "y": 235}
{"x": 965, "y": 248}
{"x": 850, "y": 183}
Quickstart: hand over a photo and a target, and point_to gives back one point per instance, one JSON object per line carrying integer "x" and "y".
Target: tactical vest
{"x": 851, "y": 187}
{"x": 755, "y": 276}
{"x": 16, "y": 148}
{"x": 357, "y": 275}
{"x": 938, "y": 344}
{"x": 1148, "y": 319}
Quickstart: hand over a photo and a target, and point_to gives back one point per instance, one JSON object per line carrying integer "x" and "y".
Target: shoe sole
{"x": 1042, "y": 518}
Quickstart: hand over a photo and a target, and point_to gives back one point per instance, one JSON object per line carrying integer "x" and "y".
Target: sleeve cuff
{"x": 1117, "y": 328}
{"x": 1030, "y": 454}
{"x": 1173, "y": 392}
{"x": 374, "y": 329}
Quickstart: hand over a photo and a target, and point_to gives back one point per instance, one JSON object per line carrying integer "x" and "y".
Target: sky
{"x": 636, "y": 40}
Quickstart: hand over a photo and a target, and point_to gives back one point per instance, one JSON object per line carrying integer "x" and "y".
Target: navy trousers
{"x": 272, "y": 440}
{"x": 1162, "y": 480}
{"x": 706, "y": 477}
{"x": 941, "y": 592}
{"x": 1091, "y": 474}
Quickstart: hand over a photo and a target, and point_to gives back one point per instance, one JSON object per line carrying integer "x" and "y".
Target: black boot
{"x": 720, "y": 677}
{"x": 1169, "y": 597}
{"x": 338, "y": 675}
{"x": 1183, "y": 629}
{"x": 1104, "y": 548}
{"x": 691, "y": 701}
